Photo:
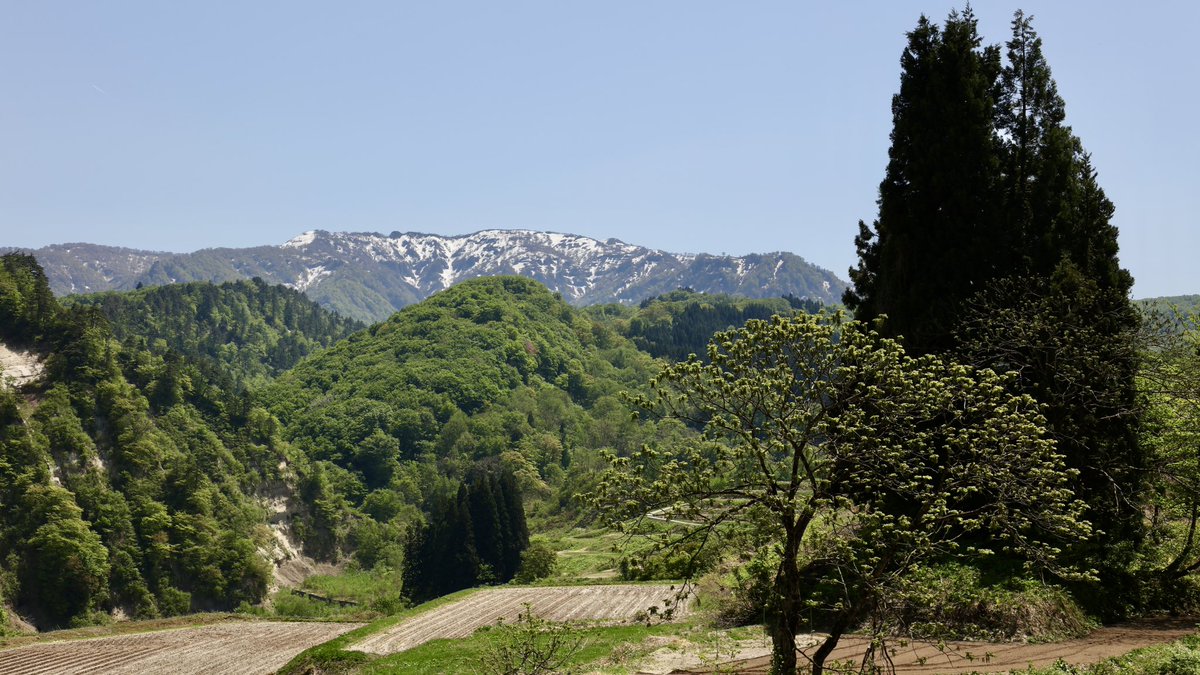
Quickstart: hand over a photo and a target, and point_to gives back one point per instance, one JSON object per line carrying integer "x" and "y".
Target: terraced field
{"x": 566, "y": 603}
{"x": 243, "y": 647}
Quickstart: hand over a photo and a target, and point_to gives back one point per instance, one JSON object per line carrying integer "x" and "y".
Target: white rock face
{"x": 18, "y": 368}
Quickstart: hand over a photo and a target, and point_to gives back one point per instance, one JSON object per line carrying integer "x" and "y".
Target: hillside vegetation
{"x": 680, "y": 323}
{"x": 248, "y": 330}
{"x": 126, "y": 481}
{"x": 495, "y": 372}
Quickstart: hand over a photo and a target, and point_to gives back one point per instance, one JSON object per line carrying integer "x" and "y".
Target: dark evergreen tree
{"x": 937, "y": 238}
{"x": 517, "y": 537}
{"x": 994, "y": 241}
{"x": 488, "y": 523}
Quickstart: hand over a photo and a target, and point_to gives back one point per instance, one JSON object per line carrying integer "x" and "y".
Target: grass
{"x": 591, "y": 554}
{"x": 375, "y": 593}
{"x": 334, "y": 657}
{"x": 616, "y": 645}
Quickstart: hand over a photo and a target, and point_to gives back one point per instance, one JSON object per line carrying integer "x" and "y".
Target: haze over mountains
{"x": 369, "y": 276}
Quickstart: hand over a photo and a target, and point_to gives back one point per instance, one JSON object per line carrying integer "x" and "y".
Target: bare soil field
{"x": 563, "y": 603}
{"x": 986, "y": 657}
{"x": 250, "y": 647}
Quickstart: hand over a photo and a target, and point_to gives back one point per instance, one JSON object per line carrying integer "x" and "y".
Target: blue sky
{"x": 684, "y": 125}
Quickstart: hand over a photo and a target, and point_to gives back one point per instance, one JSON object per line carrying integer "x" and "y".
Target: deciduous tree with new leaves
{"x": 855, "y": 462}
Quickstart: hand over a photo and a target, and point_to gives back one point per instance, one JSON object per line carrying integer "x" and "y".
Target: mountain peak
{"x": 368, "y": 275}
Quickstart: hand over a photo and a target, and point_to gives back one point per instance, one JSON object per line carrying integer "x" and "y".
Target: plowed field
{"x": 249, "y": 647}
{"x": 567, "y": 603}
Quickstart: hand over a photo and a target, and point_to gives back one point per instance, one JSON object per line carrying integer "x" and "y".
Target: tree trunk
{"x": 827, "y": 647}
{"x": 785, "y": 615}
{"x": 783, "y": 646}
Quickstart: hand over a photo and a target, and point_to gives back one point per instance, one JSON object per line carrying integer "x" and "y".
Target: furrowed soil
{"x": 486, "y": 607}
{"x": 925, "y": 658}
{"x": 235, "y": 647}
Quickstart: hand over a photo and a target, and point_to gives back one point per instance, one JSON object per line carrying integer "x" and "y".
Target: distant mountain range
{"x": 369, "y": 276}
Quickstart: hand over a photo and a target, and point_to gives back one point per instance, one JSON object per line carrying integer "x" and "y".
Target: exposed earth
{"x": 18, "y": 367}
{"x": 482, "y": 608}
{"x": 234, "y": 647}
{"x": 984, "y": 657}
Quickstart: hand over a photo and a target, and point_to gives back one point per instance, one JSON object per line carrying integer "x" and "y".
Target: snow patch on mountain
{"x": 309, "y": 278}
{"x": 302, "y": 240}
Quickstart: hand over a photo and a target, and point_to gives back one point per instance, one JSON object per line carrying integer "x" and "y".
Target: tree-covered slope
{"x": 495, "y": 370}
{"x": 1182, "y": 304}
{"x": 677, "y": 324}
{"x": 125, "y": 479}
{"x": 502, "y": 348}
{"x": 247, "y": 329}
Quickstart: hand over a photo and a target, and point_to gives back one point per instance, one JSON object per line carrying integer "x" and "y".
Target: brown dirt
{"x": 235, "y": 647}
{"x": 484, "y": 608}
{"x": 985, "y": 657}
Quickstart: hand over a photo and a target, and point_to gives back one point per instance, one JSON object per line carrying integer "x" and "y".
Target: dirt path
{"x": 241, "y": 647}
{"x": 985, "y": 657}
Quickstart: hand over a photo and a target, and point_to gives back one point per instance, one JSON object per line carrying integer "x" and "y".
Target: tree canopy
{"x": 994, "y": 244}
{"x": 851, "y": 461}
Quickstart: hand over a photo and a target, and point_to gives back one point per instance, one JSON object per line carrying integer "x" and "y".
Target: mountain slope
{"x": 245, "y": 329}
{"x": 368, "y": 276}
{"x": 127, "y": 480}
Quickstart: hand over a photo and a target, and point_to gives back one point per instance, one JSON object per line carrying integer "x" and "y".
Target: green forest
{"x": 989, "y": 436}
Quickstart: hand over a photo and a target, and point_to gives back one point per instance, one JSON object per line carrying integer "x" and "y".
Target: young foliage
{"x": 853, "y": 461}
{"x": 1169, "y": 383}
{"x": 530, "y": 646}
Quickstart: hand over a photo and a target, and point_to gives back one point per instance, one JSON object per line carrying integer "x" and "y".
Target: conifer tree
{"x": 935, "y": 241}
{"x": 1030, "y": 281}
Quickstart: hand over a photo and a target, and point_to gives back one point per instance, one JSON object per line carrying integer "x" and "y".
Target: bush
{"x": 530, "y": 646}
{"x": 539, "y": 561}
{"x": 954, "y": 602}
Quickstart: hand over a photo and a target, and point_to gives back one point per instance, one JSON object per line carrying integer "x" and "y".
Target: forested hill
{"x": 369, "y": 276}
{"x": 677, "y": 324}
{"x": 1185, "y": 304}
{"x": 489, "y": 366}
{"x": 126, "y": 480}
{"x": 248, "y": 329}
{"x": 136, "y": 481}
{"x": 492, "y": 372}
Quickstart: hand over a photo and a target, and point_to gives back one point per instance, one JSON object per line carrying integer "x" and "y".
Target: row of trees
{"x": 475, "y": 536}
{"x": 994, "y": 246}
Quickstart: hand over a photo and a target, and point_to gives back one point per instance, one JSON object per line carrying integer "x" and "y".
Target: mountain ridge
{"x": 369, "y": 275}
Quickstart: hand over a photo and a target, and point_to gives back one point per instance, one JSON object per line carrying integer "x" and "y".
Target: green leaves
{"x": 864, "y": 461}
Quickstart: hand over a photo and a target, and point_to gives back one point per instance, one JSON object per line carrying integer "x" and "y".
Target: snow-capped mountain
{"x": 369, "y": 276}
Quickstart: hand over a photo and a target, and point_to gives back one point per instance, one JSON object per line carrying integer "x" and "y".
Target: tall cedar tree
{"x": 1002, "y": 251}
{"x": 475, "y": 537}
{"x": 935, "y": 242}
{"x": 1072, "y": 336}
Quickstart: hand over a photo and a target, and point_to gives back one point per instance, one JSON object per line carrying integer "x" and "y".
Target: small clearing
{"x": 924, "y": 658}
{"x": 484, "y": 608}
{"x": 18, "y": 367}
{"x": 236, "y": 648}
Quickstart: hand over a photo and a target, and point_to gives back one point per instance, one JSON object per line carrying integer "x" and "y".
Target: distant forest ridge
{"x": 368, "y": 276}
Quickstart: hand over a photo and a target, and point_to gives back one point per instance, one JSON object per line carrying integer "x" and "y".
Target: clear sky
{"x": 685, "y": 125}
